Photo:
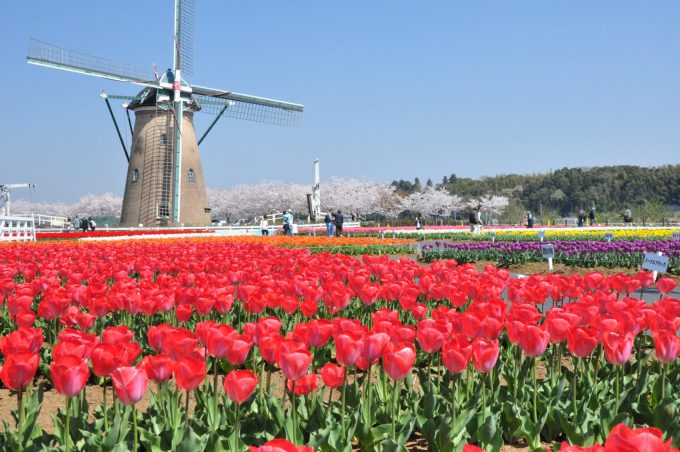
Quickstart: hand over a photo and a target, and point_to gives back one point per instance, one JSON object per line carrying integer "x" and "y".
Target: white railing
{"x": 50, "y": 221}
{"x": 17, "y": 229}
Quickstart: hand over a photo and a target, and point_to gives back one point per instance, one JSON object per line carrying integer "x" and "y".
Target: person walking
{"x": 591, "y": 216}
{"x": 264, "y": 225}
{"x": 330, "y": 223}
{"x": 530, "y": 220}
{"x": 92, "y": 224}
{"x": 76, "y": 223}
{"x": 339, "y": 220}
{"x": 84, "y": 224}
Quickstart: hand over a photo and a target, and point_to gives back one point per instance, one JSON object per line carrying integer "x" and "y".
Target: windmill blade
{"x": 44, "y": 54}
{"x": 185, "y": 13}
{"x": 246, "y": 98}
{"x": 250, "y": 111}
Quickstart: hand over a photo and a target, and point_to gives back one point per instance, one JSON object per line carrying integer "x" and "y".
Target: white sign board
{"x": 676, "y": 236}
{"x": 541, "y": 234}
{"x": 608, "y": 236}
{"x": 548, "y": 251}
{"x": 493, "y": 236}
{"x": 654, "y": 262}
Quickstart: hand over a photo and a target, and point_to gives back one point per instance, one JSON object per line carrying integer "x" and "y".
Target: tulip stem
{"x": 216, "y": 386}
{"x": 294, "y": 400}
{"x": 20, "y": 413}
{"x": 186, "y": 412}
{"x": 369, "y": 389}
{"x": 573, "y": 388}
{"x": 134, "y": 425}
{"x": 395, "y": 396}
{"x": 617, "y": 389}
{"x": 104, "y": 408}
{"x": 664, "y": 369}
{"x": 535, "y": 391}
{"x": 237, "y": 426}
{"x": 453, "y": 401}
{"x": 328, "y": 407}
{"x": 67, "y": 432}
{"x": 342, "y": 413}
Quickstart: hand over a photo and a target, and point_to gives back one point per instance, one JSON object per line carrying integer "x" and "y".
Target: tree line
{"x": 567, "y": 190}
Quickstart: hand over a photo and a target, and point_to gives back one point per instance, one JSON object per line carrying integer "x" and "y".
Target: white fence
{"x": 17, "y": 229}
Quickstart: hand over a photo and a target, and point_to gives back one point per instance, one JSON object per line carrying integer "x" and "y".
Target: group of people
{"x": 334, "y": 222}
{"x": 582, "y": 216}
{"x": 83, "y": 224}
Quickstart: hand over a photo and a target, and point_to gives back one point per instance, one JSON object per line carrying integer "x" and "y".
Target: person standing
{"x": 287, "y": 222}
{"x": 264, "y": 225}
{"x": 92, "y": 224}
{"x": 84, "y": 224}
{"x": 530, "y": 220}
{"x": 581, "y": 218}
{"x": 419, "y": 225}
{"x": 591, "y": 216}
{"x": 76, "y": 223}
{"x": 627, "y": 216}
{"x": 478, "y": 216}
{"x": 330, "y": 223}
{"x": 339, "y": 220}
{"x": 473, "y": 220}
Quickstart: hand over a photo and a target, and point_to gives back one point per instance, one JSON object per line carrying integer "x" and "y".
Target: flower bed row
{"x": 329, "y": 351}
{"x": 574, "y": 253}
{"x": 72, "y": 235}
{"x": 590, "y": 234}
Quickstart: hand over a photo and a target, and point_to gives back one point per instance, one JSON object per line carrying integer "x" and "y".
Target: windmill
{"x": 165, "y": 184}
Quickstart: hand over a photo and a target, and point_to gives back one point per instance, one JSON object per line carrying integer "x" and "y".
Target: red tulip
{"x": 238, "y": 347}
{"x": 159, "y": 368}
{"x": 666, "y": 285}
{"x": 485, "y": 354}
{"x": 240, "y": 384}
{"x": 69, "y": 375}
{"x": 332, "y": 375}
{"x": 456, "y": 355}
{"x": 19, "y": 369}
{"x": 347, "y": 349}
{"x": 319, "y": 332}
{"x": 280, "y": 445}
{"x": 398, "y": 359}
{"x": 617, "y": 347}
{"x": 304, "y": 385}
{"x": 373, "y": 346}
{"x": 625, "y": 439}
{"x": 130, "y": 384}
{"x": 582, "y": 341}
{"x": 294, "y": 364}
{"x": 430, "y": 339}
{"x": 116, "y": 334}
{"x": 472, "y": 448}
{"x": 666, "y": 346}
{"x": 534, "y": 340}
{"x": 157, "y": 335}
{"x": 189, "y": 372}
{"x": 25, "y": 319}
{"x": 218, "y": 340}
{"x": 105, "y": 359}
{"x": 23, "y": 340}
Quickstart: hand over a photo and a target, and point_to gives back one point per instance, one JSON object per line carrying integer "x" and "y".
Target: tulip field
{"x": 239, "y": 345}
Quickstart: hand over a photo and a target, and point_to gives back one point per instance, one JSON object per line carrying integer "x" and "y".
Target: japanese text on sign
{"x": 654, "y": 262}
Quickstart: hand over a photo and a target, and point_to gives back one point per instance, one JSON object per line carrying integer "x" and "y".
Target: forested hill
{"x": 569, "y": 189}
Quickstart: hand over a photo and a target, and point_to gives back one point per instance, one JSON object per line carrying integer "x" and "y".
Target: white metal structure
{"x": 316, "y": 193}
{"x": 5, "y": 190}
{"x": 17, "y": 229}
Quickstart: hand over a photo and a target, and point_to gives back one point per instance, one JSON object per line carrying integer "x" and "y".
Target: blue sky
{"x": 392, "y": 89}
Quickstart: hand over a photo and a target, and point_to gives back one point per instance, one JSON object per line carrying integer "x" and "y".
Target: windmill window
{"x": 191, "y": 175}
{"x": 164, "y": 139}
{"x": 135, "y": 175}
